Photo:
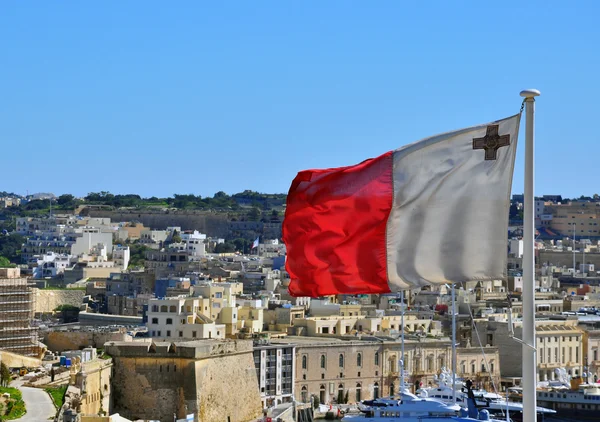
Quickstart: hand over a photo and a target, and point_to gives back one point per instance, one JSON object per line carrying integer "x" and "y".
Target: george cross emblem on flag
{"x": 491, "y": 142}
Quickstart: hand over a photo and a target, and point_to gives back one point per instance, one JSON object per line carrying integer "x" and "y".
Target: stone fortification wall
{"x": 13, "y": 360}
{"x": 215, "y": 225}
{"x": 49, "y": 300}
{"x": 60, "y": 341}
{"x": 215, "y": 380}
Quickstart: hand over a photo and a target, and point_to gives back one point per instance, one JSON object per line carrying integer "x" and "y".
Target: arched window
{"x": 304, "y": 362}
{"x": 164, "y": 308}
{"x": 392, "y": 389}
{"x": 442, "y": 362}
{"x": 376, "y": 391}
{"x": 430, "y": 365}
{"x": 340, "y": 396}
{"x": 359, "y": 359}
{"x": 304, "y": 394}
{"x": 358, "y": 391}
{"x": 376, "y": 358}
{"x": 392, "y": 363}
{"x": 322, "y": 393}
{"x": 323, "y": 363}
{"x": 341, "y": 360}
{"x": 173, "y": 308}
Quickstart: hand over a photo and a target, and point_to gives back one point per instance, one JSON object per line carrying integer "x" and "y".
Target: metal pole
{"x": 529, "y": 351}
{"x": 574, "y": 269}
{"x": 453, "y": 346}
{"x": 402, "y": 347}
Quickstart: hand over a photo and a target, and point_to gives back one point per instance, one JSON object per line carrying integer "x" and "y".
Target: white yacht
{"x": 411, "y": 408}
{"x": 493, "y": 402}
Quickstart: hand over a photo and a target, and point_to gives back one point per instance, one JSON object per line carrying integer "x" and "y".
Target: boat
{"x": 570, "y": 396}
{"x": 493, "y": 402}
{"x": 409, "y": 407}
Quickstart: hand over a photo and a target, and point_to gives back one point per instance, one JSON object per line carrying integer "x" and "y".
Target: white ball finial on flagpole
{"x": 530, "y": 93}
{"x": 528, "y": 266}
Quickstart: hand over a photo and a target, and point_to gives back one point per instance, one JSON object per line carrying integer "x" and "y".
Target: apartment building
{"x": 182, "y": 318}
{"x": 275, "y": 367}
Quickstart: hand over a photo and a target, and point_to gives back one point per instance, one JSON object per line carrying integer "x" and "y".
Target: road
{"x": 37, "y": 402}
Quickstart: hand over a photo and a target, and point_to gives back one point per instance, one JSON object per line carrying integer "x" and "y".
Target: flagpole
{"x": 529, "y": 351}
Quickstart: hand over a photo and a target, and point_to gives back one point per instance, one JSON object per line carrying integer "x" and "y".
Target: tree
{"x": 242, "y": 245}
{"x": 225, "y": 247}
{"x": 4, "y": 375}
{"x": 10, "y": 246}
{"x": 4, "y": 262}
{"x": 66, "y": 199}
{"x": 176, "y": 238}
{"x": 254, "y": 214}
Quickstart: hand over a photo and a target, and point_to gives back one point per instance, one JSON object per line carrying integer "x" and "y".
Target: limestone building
{"x": 559, "y": 344}
{"x": 179, "y": 318}
{"x": 213, "y": 379}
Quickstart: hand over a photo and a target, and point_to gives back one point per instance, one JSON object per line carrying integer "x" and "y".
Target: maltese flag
{"x": 255, "y": 243}
{"x": 432, "y": 212}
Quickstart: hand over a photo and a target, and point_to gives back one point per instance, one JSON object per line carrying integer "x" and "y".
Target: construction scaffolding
{"x": 17, "y": 305}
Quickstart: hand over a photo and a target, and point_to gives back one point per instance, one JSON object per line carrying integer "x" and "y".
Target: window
{"x": 359, "y": 359}
{"x": 181, "y": 334}
{"x": 159, "y": 335}
{"x": 169, "y": 321}
{"x": 341, "y": 360}
{"x": 323, "y": 363}
{"x": 164, "y": 308}
{"x": 154, "y": 308}
{"x": 193, "y": 334}
{"x": 154, "y": 320}
{"x": 376, "y": 391}
{"x": 322, "y": 393}
{"x": 304, "y": 394}
{"x": 173, "y": 308}
{"x": 218, "y": 295}
{"x": 168, "y": 333}
{"x": 304, "y": 362}
{"x": 376, "y": 358}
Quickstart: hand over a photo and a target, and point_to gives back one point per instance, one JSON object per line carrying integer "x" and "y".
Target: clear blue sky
{"x": 159, "y": 98}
